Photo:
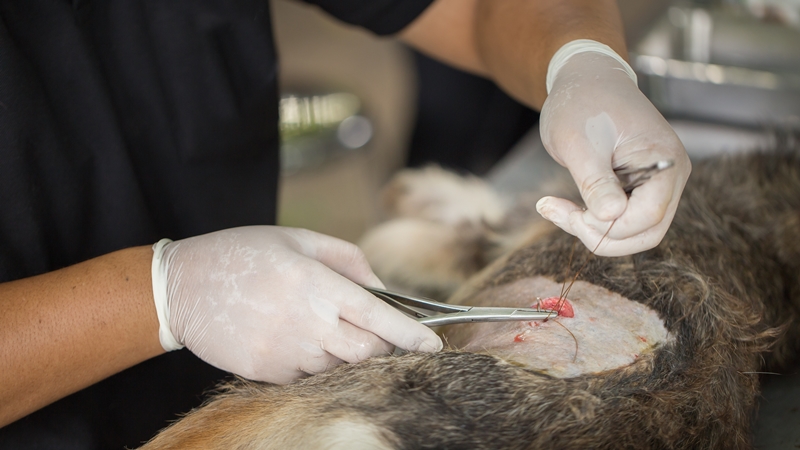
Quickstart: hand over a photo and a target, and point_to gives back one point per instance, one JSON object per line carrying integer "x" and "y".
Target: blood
{"x": 563, "y": 306}
{"x": 519, "y": 338}
{"x": 643, "y": 339}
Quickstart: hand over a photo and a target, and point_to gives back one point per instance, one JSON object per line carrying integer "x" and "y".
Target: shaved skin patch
{"x": 612, "y": 331}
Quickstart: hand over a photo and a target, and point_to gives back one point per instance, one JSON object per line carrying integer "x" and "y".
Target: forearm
{"x": 512, "y": 41}
{"x": 65, "y": 330}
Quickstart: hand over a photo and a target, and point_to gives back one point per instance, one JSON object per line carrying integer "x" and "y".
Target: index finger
{"x": 601, "y": 244}
{"x": 365, "y": 311}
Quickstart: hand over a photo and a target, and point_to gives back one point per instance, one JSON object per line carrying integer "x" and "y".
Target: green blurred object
{"x": 316, "y": 128}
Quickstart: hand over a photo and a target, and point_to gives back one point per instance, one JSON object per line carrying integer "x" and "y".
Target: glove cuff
{"x": 159, "y": 275}
{"x": 571, "y": 49}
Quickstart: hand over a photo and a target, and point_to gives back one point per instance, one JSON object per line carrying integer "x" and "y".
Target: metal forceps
{"x": 425, "y": 309}
{"x": 632, "y": 178}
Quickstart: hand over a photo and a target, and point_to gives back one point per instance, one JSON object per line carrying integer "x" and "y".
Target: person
{"x": 123, "y": 122}
{"x": 464, "y": 122}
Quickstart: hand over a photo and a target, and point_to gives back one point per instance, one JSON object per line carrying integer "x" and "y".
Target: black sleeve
{"x": 380, "y": 16}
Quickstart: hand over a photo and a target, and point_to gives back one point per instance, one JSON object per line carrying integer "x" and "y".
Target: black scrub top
{"x": 122, "y": 122}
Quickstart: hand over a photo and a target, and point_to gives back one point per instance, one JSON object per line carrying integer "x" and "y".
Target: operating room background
{"x": 419, "y": 112}
{"x": 356, "y": 108}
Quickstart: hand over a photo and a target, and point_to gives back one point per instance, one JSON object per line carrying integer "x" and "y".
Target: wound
{"x": 562, "y": 305}
{"x": 611, "y": 331}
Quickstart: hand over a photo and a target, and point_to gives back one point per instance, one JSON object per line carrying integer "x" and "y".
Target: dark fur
{"x": 725, "y": 280}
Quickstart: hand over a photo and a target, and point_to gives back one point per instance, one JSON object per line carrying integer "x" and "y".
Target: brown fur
{"x": 724, "y": 280}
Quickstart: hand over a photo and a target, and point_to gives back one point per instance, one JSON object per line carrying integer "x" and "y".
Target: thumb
{"x": 602, "y": 193}
{"x": 588, "y": 156}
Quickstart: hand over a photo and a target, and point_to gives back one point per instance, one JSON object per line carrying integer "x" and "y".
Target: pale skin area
{"x": 65, "y": 330}
{"x": 611, "y": 331}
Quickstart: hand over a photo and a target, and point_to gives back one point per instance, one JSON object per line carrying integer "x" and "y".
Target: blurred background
{"x": 348, "y": 100}
{"x": 356, "y": 108}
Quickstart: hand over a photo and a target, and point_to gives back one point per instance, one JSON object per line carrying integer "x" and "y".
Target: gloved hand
{"x": 272, "y": 303}
{"x": 596, "y": 119}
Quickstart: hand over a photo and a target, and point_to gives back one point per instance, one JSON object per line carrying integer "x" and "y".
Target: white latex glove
{"x": 596, "y": 119}
{"x": 273, "y": 304}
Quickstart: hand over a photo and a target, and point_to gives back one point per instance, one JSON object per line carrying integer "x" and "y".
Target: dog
{"x": 660, "y": 349}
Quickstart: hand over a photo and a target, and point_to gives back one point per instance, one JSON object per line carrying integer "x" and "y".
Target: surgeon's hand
{"x": 596, "y": 119}
{"x": 273, "y": 304}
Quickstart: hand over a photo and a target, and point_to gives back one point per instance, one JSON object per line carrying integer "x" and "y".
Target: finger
{"x": 367, "y": 312}
{"x": 306, "y": 357}
{"x": 647, "y": 207}
{"x": 284, "y": 377}
{"x": 602, "y": 193}
{"x": 318, "y": 364}
{"x": 652, "y": 205}
{"x": 604, "y": 246}
{"x": 352, "y": 344}
{"x": 589, "y": 161}
{"x": 572, "y": 219}
{"x": 557, "y": 210}
{"x": 343, "y": 257}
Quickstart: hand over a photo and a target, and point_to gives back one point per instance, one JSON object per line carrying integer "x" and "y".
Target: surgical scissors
{"x": 424, "y": 309}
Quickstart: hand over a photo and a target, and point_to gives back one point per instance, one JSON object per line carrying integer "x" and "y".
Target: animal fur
{"x": 724, "y": 280}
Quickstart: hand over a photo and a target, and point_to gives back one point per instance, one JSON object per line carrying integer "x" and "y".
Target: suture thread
{"x": 562, "y": 298}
